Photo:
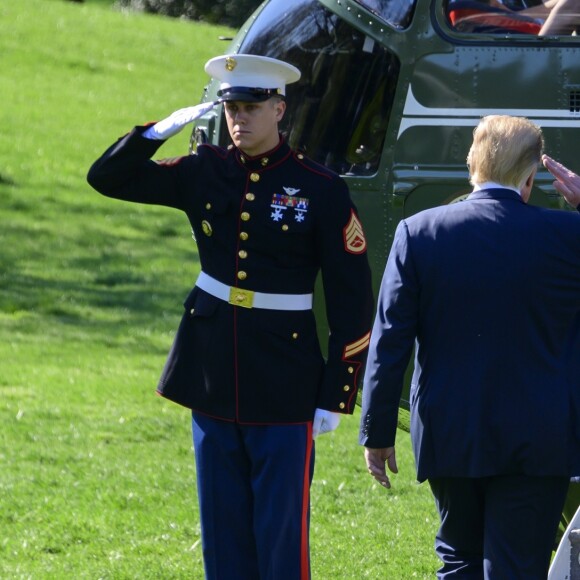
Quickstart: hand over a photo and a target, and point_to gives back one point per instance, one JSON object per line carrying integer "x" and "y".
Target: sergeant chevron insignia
{"x": 354, "y": 237}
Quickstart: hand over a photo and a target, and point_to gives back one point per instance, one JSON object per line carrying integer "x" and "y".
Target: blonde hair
{"x": 505, "y": 150}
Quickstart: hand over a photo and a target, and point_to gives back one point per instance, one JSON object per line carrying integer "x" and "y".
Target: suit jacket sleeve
{"x": 346, "y": 278}
{"x": 393, "y": 336}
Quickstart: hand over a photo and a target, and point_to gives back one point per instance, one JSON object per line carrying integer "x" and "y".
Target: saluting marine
{"x": 246, "y": 357}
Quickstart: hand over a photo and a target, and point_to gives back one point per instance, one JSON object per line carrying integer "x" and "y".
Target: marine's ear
{"x": 280, "y": 107}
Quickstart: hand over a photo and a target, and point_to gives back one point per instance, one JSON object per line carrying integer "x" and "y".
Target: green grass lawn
{"x": 96, "y": 472}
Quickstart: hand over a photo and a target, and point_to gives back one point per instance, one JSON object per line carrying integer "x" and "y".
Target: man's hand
{"x": 177, "y": 121}
{"x": 324, "y": 421}
{"x": 568, "y": 183}
{"x": 376, "y": 459}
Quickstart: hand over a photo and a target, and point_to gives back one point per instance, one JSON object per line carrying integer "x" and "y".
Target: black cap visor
{"x": 247, "y": 94}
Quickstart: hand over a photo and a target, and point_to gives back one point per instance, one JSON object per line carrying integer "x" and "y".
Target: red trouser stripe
{"x": 304, "y": 548}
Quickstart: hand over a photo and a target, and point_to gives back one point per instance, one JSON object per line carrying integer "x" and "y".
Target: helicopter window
{"x": 397, "y": 13}
{"x": 535, "y": 17}
{"x": 480, "y": 16}
{"x": 338, "y": 111}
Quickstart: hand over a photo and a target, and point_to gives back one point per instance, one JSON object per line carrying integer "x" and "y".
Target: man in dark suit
{"x": 488, "y": 292}
{"x": 246, "y": 358}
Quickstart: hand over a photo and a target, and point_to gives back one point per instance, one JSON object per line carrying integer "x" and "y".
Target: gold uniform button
{"x": 346, "y": 388}
{"x": 250, "y": 196}
{"x": 242, "y": 275}
{"x": 244, "y": 236}
{"x": 350, "y": 370}
{"x": 264, "y": 161}
{"x": 342, "y": 406}
{"x": 285, "y": 228}
{"x": 243, "y": 254}
{"x": 192, "y": 311}
{"x": 254, "y": 177}
{"x": 300, "y": 156}
{"x": 206, "y": 228}
{"x": 245, "y": 216}
{"x": 294, "y": 335}
{"x": 208, "y": 206}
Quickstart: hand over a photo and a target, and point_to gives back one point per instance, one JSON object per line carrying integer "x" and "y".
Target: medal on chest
{"x": 289, "y": 204}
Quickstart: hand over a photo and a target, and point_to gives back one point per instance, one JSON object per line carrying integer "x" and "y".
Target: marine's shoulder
{"x": 205, "y": 154}
{"x": 313, "y": 167}
{"x": 209, "y": 150}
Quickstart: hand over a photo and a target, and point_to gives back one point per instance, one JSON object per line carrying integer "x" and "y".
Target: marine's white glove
{"x": 177, "y": 121}
{"x": 324, "y": 421}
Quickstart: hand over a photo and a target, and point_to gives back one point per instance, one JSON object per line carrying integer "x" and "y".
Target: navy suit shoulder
{"x": 489, "y": 288}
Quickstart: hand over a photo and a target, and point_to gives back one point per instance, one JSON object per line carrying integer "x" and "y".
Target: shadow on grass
{"x": 109, "y": 306}
{"x": 81, "y": 267}
{"x": 6, "y": 180}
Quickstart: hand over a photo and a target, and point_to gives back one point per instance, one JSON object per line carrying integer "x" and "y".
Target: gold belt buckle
{"x": 241, "y": 297}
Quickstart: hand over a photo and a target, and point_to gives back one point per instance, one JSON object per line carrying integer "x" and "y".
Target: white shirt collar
{"x": 494, "y": 185}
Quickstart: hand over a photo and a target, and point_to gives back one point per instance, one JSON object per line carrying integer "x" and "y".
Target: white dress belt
{"x": 250, "y": 299}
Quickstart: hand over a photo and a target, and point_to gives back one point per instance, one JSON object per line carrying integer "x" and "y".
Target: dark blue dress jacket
{"x": 267, "y": 224}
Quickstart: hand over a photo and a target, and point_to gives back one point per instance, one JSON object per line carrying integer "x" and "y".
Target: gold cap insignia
{"x": 231, "y": 64}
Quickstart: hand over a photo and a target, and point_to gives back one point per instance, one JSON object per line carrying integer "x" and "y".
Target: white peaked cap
{"x": 249, "y": 77}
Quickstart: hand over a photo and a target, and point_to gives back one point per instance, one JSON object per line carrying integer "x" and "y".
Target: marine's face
{"x": 253, "y": 127}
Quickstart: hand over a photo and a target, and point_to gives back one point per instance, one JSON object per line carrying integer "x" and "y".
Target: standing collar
{"x": 281, "y": 151}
